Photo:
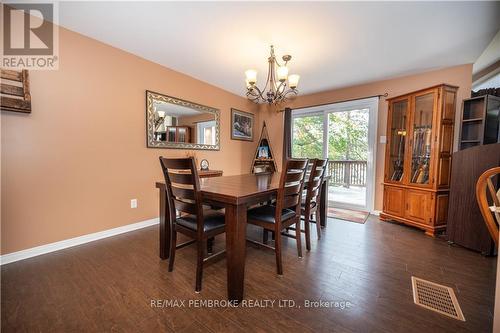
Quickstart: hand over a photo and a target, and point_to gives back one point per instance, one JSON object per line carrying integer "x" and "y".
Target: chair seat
{"x": 212, "y": 220}
{"x": 267, "y": 213}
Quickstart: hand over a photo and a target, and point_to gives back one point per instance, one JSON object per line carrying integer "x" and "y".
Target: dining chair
{"x": 485, "y": 184}
{"x": 311, "y": 200}
{"x": 286, "y": 210}
{"x": 184, "y": 196}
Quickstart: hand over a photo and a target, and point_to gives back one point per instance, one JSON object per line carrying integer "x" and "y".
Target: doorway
{"x": 345, "y": 133}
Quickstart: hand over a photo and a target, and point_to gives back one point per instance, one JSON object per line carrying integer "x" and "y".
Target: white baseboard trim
{"x": 47, "y": 248}
{"x": 376, "y": 212}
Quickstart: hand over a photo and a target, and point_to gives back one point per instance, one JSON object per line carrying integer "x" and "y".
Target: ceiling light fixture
{"x": 279, "y": 85}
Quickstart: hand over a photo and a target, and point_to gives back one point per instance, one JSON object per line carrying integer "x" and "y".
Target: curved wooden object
{"x": 484, "y": 182}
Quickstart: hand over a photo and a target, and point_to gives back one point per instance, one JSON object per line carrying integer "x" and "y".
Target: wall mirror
{"x": 175, "y": 123}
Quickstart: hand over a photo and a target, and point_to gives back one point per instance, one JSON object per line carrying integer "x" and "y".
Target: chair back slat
{"x": 315, "y": 183}
{"x": 291, "y": 185}
{"x": 493, "y": 193}
{"x": 183, "y": 187}
{"x": 294, "y": 176}
{"x": 185, "y": 207}
{"x": 177, "y": 163}
{"x": 318, "y": 170}
{"x": 292, "y": 189}
{"x": 290, "y": 201}
{"x": 181, "y": 178}
{"x": 296, "y": 164}
{"x": 315, "y": 193}
{"x": 185, "y": 193}
{"x": 321, "y": 163}
{"x": 483, "y": 186}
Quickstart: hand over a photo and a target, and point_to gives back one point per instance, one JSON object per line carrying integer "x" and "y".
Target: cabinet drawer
{"x": 394, "y": 200}
{"x": 418, "y": 206}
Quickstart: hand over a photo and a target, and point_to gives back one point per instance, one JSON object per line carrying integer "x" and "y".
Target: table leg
{"x": 236, "y": 222}
{"x": 323, "y": 205}
{"x": 164, "y": 226}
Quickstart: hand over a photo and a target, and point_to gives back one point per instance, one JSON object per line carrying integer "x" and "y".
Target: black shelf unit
{"x": 480, "y": 122}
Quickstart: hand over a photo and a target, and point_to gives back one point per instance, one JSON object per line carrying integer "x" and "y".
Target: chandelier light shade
{"x": 251, "y": 75}
{"x": 279, "y": 85}
{"x": 293, "y": 81}
{"x": 282, "y": 73}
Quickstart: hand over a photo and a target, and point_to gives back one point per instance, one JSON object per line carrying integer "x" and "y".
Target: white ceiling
{"x": 489, "y": 56}
{"x": 175, "y": 110}
{"x": 333, "y": 44}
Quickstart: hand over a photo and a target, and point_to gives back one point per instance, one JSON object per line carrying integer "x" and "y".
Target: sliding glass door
{"x": 345, "y": 134}
{"x": 348, "y": 153}
{"x": 307, "y": 136}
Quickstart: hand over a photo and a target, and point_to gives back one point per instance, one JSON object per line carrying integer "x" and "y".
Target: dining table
{"x": 235, "y": 194}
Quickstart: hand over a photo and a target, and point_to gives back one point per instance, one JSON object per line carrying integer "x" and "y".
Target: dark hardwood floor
{"x": 108, "y": 285}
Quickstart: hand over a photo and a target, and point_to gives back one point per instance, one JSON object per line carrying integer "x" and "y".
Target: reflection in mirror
{"x": 174, "y": 123}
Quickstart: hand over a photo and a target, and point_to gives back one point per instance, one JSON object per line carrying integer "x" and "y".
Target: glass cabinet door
{"x": 182, "y": 134}
{"x": 422, "y": 132}
{"x": 397, "y": 140}
{"x": 171, "y": 134}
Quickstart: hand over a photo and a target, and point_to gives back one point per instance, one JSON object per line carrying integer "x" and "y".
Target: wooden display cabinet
{"x": 178, "y": 134}
{"x": 418, "y": 157}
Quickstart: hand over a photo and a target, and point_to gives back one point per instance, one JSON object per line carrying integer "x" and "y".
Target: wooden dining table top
{"x": 237, "y": 189}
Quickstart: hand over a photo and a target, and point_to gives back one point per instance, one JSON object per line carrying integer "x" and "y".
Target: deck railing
{"x": 347, "y": 173}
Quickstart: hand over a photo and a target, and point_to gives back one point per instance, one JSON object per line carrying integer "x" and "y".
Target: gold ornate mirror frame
{"x": 150, "y": 122}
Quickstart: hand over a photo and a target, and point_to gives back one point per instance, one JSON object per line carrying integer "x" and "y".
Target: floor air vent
{"x": 436, "y": 297}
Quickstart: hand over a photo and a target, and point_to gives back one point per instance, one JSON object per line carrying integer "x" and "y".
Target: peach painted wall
{"x": 71, "y": 167}
{"x": 460, "y": 76}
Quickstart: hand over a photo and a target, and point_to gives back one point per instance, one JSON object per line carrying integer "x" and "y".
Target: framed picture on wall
{"x": 241, "y": 125}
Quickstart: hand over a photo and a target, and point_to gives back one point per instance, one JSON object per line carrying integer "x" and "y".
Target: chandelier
{"x": 279, "y": 85}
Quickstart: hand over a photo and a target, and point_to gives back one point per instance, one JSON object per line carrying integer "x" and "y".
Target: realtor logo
{"x": 29, "y": 36}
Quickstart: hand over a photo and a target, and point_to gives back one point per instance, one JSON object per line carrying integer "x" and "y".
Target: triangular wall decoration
{"x": 263, "y": 161}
